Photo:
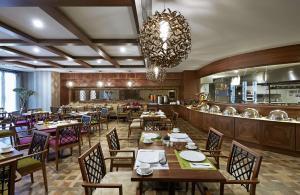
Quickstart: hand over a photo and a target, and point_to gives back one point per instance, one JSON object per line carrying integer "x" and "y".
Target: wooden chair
{"x": 104, "y": 118}
{"x": 121, "y": 113}
{"x": 86, "y": 127}
{"x": 151, "y": 123}
{"x": 116, "y": 151}
{"x": 243, "y": 166}
{"x": 95, "y": 121}
{"x": 213, "y": 145}
{"x": 97, "y": 181}
{"x": 134, "y": 124}
{"x": 35, "y": 160}
{"x": 67, "y": 136}
{"x": 9, "y": 132}
{"x": 7, "y": 177}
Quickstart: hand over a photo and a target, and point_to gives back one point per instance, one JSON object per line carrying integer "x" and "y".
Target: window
{"x": 8, "y": 98}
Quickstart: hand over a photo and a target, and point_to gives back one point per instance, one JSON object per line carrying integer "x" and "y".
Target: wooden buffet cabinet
{"x": 283, "y": 137}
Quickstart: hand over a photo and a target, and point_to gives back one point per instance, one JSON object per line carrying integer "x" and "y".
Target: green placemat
{"x": 153, "y": 139}
{"x": 184, "y": 164}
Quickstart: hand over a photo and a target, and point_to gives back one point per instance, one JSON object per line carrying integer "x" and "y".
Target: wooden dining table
{"x": 175, "y": 173}
{"x": 51, "y": 127}
{"x": 9, "y": 155}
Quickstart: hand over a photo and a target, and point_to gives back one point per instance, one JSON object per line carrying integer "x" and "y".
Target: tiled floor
{"x": 279, "y": 175}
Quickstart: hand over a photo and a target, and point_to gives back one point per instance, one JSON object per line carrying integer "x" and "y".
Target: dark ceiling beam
{"x": 57, "y": 3}
{"x": 55, "y": 58}
{"x": 98, "y": 66}
{"x": 135, "y": 15}
{"x": 62, "y": 19}
{"x": 20, "y": 63}
{"x": 66, "y": 42}
{"x": 27, "y": 56}
{"x": 29, "y": 39}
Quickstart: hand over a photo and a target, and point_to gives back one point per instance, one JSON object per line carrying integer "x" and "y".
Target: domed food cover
{"x": 229, "y": 111}
{"x": 250, "y": 113}
{"x": 215, "y": 109}
{"x": 204, "y": 107}
{"x": 278, "y": 115}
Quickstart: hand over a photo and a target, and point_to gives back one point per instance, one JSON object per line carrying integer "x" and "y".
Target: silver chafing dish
{"x": 204, "y": 107}
{"x": 278, "y": 115}
{"x": 215, "y": 109}
{"x": 229, "y": 111}
{"x": 250, "y": 113}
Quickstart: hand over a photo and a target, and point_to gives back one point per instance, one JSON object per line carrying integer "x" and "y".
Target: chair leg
{"x": 129, "y": 132}
{"x": 45, "y": 177}
{"x": 252, "y": 189}
{"x": 107, "y": 125}
{"x": 79, "y": 145}
{"x": 193, "y": 189}
{"x": 56, "y": 158}
{"x": 31, "y": 177}
{"x": 89, "y": 139}
{"x": 111, "y": 165}
{"x": 71, "y": 149}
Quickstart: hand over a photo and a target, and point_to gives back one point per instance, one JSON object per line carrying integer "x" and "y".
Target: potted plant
{"x": 24, "y": 95}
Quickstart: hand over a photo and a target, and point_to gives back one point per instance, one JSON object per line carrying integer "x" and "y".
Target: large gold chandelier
{"x": 156, "y": 73}
{"x": 165, "y": 39}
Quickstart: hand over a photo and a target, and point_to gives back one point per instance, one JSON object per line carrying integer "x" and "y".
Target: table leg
{"x": 171, "y": 188}
{"x": 141, "y": 188}
{"x": 221, "y": 188}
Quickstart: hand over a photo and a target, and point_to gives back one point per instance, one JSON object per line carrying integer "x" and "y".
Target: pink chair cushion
{"x": 24, "y": 122}
{"x": 25, "y": 140}
{"x": 65, "y": 141}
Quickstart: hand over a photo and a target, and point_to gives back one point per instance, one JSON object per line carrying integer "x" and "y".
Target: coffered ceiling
{"x": 101, "y": 35}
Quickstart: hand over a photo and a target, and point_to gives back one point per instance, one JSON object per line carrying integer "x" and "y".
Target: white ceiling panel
{"x": 104, "y": 22}
{"x": 4, "y": 34}
{"x": 33, "y": 50}
{"x": 126, "y": 50}
{"x": 78, "y": 50}
{"x": 98, "y": 62}
{"x": 131, "y": 62}
{"x": 22, "y": 19}
{"x": 66, "y": 62}
{"x": 225, "y": 28}
{"x": 36, "y": 63}
{"x": 6, "y": 53}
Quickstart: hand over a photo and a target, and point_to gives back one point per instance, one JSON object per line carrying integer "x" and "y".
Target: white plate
{"x": 191, "y": 148}
{"x": 40, "y": 122}
{"x": 6, "y": 150}
{"x": 179, "y": 135}
{"x": 150, "y": 135}
{"x": 192, "y": 156}
{"x": 148, "y": 156}
{"x": 175, "y": 131}
{"x": 148, "y": 142}
{"x": 138, "y": 171}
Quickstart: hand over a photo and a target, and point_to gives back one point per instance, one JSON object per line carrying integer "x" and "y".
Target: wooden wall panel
{"x": 173, "y": 80}
{"x": 225, "y": 125}
{"x": 278, "y": 135}
{"x": 279, "y": 55}
{"x": 196, "y": 119}
{"x": 248, "y": 130}
{"x": 298, "y": 137}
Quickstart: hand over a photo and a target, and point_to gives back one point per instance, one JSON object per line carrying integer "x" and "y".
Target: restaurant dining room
{"x": 152, "y": 97}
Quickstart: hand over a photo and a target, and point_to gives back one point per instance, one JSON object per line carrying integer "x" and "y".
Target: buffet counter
{"x": 278, "y": 136}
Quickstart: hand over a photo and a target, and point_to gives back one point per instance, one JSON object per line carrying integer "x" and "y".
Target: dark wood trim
{"x": 65, "y": 42}
{"x": 22, "y": 64}
{"x": 37, "y": 3}
{"x": 278, "y": 55}
{"x": 107, "y": 66}
{"x": 62, "y": 19}
{"x": 28, "y": 56}
{"x": 136, "y": 20}
{"x": 57, "y": 58}
{"x": 29, "y": 39}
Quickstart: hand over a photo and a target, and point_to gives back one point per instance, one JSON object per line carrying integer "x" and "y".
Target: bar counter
{"x": 278, "y": 136}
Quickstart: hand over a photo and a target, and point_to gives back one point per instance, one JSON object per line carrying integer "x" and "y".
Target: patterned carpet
{"x": 279, "y": 175}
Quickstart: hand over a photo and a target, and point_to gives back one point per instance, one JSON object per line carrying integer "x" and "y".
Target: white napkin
{"x": 157, "y": 165}
{"x": 148, "y": 156}
{"x": 201, "y": 165}
{"x": 150, "y": 135}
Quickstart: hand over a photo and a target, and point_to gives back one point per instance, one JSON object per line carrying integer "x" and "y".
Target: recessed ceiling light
{"x": 99, "y": 61}
{"x": 123, "y": 49}
{"x": 236, "y": 71}
{"x": 35, "y": 61}
{"x": 37, "y": 23}
{"x": 36, "y": 50}
{"x": 69, "y": 59}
